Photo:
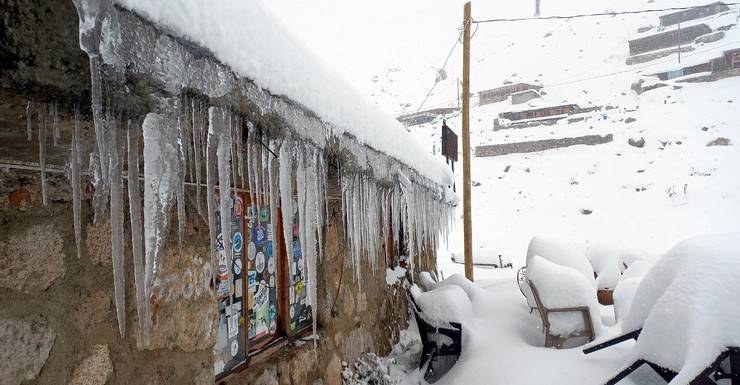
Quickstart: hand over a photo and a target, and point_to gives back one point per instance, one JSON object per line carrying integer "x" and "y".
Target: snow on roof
{"x": 247, "y": 37}
{"x": 687, "y": 305}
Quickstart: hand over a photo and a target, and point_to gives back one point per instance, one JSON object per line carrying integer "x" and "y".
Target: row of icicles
{"x": 195, "y": 146}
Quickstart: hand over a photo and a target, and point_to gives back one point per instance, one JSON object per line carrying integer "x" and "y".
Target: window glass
{"x": 299, "y": 311}
{"x": 229, "y": 350}
{"x": 262, "y": 280}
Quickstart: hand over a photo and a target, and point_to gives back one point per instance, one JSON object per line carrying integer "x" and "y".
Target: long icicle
{"x": 134, "y": 203}
{"x": 42, "y": 154}
{"x": 76, "y": 182}
{"x": 116, "y": 223}
{"x": 197, "y": 149}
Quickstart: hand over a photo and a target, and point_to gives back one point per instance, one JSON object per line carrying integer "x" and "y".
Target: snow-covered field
{"x": 642, "y": 198}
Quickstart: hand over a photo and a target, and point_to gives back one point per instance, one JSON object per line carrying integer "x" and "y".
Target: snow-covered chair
{"x": 565, "y": 301}
{"x": 558, "y": 252}
{"x": 686, "y": 314}
{"x": 427, "y": 281}
{"x": 441, "y": 338}
{"x": 521, "y": 279}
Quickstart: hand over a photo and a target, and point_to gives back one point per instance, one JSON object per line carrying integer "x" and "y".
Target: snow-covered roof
{"x": 247, "y": 37}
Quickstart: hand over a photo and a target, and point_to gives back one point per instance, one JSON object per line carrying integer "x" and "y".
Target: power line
{"x": 561, "y": 17}
{"x": 444, "y": 65}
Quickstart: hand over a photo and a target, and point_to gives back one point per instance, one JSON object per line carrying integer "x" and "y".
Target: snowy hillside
{"x": 650, "y": 197}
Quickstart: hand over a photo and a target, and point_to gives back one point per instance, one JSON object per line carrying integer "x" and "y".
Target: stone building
{"x": 499, "y": 94}
{"x": 692, "y": 14}
{"x": 667, "y": 39}
{"x": 426, "y": 116}
{"x": 116, "y": 265}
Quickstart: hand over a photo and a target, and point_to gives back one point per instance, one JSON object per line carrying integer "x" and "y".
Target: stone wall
{"x": 57, "y": 313}
{"x": 57, "y": 317}
{"x": 540, "y": 145}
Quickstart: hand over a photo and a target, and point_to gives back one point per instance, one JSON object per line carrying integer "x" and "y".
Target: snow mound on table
{"x": 609, "y": 261}
{"x": 623, "y": 296}
{"x": 443, "y": 305}
{"x": 687, "y": 305}
{"x": 247, "y": 37}
{"x": 561, "y": 253}
{"x": 561, "y": 286}
{"x": 460, "y": 281}
{"x": 638, "y": 269}
{"x": 625, "y": 291}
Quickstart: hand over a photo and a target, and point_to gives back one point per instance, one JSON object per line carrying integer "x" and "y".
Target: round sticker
{"x": 237, "y": 266}
{"x": 234, "y": 348}
{"x": 251, "y": 251}
{"x": 237, "y": 242}
{"x": 292, "y": 311}
{"x": 260, "y": 263}
{"x": 238, "y": 207}
{"x": 273, "y": 312}
{"x": 271, "y": 265}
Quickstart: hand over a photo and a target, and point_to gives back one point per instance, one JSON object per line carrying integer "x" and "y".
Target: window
{"x": 735, "y": 60}
{"x": 264, "y": 304}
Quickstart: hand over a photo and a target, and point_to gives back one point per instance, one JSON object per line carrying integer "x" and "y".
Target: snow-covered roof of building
{"x": 247, "y": 37}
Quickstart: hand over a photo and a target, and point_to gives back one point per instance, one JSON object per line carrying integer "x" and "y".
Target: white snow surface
{"x": 246, "y": 36}
{"x": 561, "y": 253}
{"x": 559, "y": 287}
{"x": 687, "y": 305}
{"x": 443, "y": 305}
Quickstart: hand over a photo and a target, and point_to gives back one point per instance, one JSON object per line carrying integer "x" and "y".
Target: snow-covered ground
{"x": 641, "y": 198}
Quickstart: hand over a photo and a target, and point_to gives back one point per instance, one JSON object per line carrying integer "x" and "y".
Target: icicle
{"x": 101, "y": 181}
{"x": 29, "y": 120}
{"x": 286, "y": 195}
{"x": 180, "y": 175}
{"x": 134, "y": 203}
{"x": 42, "y": 154}
{"x": 257, "y": 165}
{"x": 197, "y": 149}
{"x": 240, "y": 151}
{"x": 319, "y": 200}
{"x": 250, "y": 164}
{"x": 116, "y": 223}
{"x": 76, "y": 182}
{"x": 160, "y": 164}
{"x": 211, "y": 173}
{"x": 55, "y": 123}
{"x": 223, "y": 153}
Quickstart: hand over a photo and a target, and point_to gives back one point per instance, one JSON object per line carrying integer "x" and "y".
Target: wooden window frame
{"x": 265, "y": 348}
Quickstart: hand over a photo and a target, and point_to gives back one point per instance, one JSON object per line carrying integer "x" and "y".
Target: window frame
{"x": 264, "y": 348}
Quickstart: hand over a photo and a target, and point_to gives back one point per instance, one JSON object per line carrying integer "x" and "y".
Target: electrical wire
{"x": 561, "y": 17}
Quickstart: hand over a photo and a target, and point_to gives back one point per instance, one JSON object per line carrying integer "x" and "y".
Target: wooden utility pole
{"x": 467, "y": 220}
